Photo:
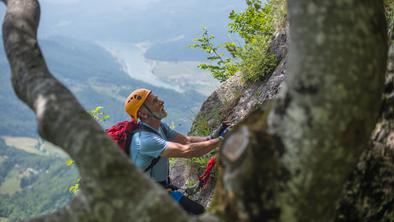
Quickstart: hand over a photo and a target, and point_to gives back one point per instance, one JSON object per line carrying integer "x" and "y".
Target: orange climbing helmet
{"x": 135, "y": 100}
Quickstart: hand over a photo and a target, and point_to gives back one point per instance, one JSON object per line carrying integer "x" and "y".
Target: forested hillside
{"x": 97, "y": 79}
{"x": 32, "y": 183}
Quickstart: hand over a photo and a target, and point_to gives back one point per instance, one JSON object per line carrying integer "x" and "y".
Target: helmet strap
{"x": 151, "y": 113}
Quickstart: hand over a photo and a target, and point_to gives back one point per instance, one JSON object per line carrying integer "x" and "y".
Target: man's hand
{"x": 225, "y": 131}
{"x": 220, "y": 131}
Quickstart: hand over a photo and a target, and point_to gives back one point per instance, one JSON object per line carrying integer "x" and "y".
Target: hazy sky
{"x": 134, "y": 20}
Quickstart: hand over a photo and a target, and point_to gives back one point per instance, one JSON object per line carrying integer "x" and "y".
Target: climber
{"x": 155, "y": 142}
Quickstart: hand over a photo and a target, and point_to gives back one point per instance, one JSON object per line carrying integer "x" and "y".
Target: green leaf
{"x": 69, "y": 162}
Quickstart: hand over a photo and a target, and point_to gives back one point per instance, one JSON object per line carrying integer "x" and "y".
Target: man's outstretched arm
{"x": 182, "y": 139}
{"x": 174, "y": 149}
{"x": 219, "y": 132}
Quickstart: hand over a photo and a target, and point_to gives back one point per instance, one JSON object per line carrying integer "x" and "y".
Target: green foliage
{"x": 256, "y": 26}
{"x": 225, "y": 67}
{"x": 201, "y": 127}
{"x": 69, "y": 162}
{"x": 75, "y": 187}
{"x": 191, "y": 181}
{"x": 11, "y": 184}
{"x": 389, "y": 9}
{"x": 257, "y": 62}
{"x": 41, "y": 191}
{"x": 98, "y": 115}
{"x": 255, "y": 21}
{"x": 172, "y": 161}
{"x": 172, "y": 125}
{"x": 201, "y": 162}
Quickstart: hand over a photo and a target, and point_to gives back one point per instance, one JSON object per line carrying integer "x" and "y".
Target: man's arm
{"x": 195, "y": 139}
{"x": 174, "y": 149}
{"x": 182, "y": 139}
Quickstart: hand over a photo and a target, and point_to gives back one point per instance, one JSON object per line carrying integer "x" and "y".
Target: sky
{"x": 134, "y": 20}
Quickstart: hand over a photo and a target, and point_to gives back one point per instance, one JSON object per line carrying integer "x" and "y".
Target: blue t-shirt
{"x": 147, "y": 145}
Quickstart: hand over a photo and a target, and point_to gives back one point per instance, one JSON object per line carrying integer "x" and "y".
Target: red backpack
{"x": 121, "y": 134}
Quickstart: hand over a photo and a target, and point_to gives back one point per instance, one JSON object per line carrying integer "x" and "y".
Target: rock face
{"x": 231, "y": 102}
{"x": 234, "y": 99}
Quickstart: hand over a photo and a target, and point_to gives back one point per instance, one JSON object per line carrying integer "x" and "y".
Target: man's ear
{"x": 142, "y": 115}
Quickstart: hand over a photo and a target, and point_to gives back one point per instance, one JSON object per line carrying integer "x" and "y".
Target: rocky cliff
{"x": 231, "y": 102}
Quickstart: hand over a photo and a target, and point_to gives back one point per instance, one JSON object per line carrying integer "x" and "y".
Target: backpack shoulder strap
{"x": 128, "y": 143}
{"x": 140, "y": 128}
{"x": 152, "y": 164}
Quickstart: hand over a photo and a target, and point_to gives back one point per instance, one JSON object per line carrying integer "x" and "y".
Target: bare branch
{"x": 111, "y": 188}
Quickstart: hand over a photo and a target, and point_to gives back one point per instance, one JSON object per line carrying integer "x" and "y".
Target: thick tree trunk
{"x": 369, "y": 192}
{"x": 328, "y": 108}
{"x": 337, "y": 63}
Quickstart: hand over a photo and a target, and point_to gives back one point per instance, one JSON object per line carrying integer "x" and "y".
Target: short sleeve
{"x": 152, "y": 145}
{"x": 170, "y": 133}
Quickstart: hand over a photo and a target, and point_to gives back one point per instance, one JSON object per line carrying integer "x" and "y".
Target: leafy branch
{"x": 224, "y": 67}
{"x": 98, "y": 115}
{"x": 256, "y": 26}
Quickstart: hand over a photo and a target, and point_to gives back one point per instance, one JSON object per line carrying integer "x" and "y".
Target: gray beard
{"x": 161, "y": 114}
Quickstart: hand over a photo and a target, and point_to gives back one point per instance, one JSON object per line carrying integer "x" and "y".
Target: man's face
{"x": 156, "y": 105}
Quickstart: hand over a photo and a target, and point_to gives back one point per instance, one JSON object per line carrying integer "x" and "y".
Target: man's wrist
{"x": 219, "y": 138}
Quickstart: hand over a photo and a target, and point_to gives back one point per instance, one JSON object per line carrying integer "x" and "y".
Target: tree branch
{"x": 111, "y": 188}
